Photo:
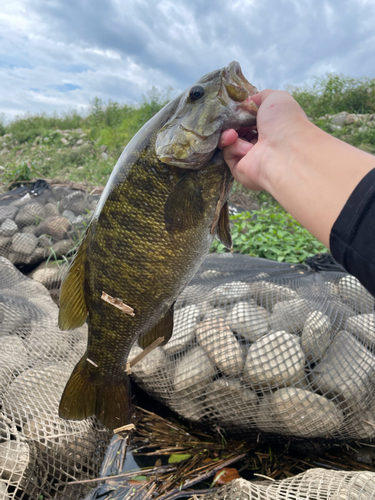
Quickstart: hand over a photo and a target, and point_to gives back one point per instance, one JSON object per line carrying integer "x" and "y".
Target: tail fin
{"x": 88, "y": 394}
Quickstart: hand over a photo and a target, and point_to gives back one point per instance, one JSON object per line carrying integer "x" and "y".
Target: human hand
{"x": 254, "y": 156}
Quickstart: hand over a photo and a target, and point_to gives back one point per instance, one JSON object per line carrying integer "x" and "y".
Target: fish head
{"x": 218, "y": 101}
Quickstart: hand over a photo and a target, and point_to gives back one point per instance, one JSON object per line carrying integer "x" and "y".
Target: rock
{"x": 17, "y": 313}
{"x": 221, "y": 346}
{"x": 346, "y": 372}
{"x": 60, "y": 192}
{"x": 316, "y": 335}
{"x": 51, "y": 210}
{"x": 7, "y": 212}
{"x": 69, "y": 215}
{"x": 305, "y": 414}
{"x": 56, "y": 227}
{"x": 13, "y": 360}
{"x": 46, "y": 342}
{"x": 363, "y": 326}
{"x": 184, "y": 327}
{"x": 248, "y": 320}
{"x": 5, "y": 246}
{"x": 290, "y": 315}
{"x": 149, "y": 365}
{"x": 351, "y": 118}
{"x": 49, "y": 274}
{"x": 193, "y": 373}
{"x": 44, "y": 241}
{"x": 79, "y": 142}
{"x": 4, "y": 490}
{"x": 64, "y": 141}
{"x": 24, "y": 243}
{"x": 191, "y": 410}
{"x": 225, "y": 295}
{"x": 30, "y": 214}
{"x": 14, "y": 460}
{"x": 275, "y": 359}
{"x": 232, "y": 404}
{"x": 338, "y": 312}
{"x": 356, "y": 295}
{"x": 8, "y": 228}
{"x": 62, "y": 247}
{"x": 104, "y": 156}
{"x": 75, "y": 202}
{"x": 29, "y": 229}
{"x": 361, "y": 424}
{"x": 339, "y": 119}
{"x": 267, "y": 294}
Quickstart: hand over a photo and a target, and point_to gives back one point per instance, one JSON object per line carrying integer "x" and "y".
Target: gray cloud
{"x": 117, "y": 49}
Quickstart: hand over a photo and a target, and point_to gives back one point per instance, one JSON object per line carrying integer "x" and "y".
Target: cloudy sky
{"x": 57, "y": 55}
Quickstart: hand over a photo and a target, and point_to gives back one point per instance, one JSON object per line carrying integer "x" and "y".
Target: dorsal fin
{"x": 73, "y": 309}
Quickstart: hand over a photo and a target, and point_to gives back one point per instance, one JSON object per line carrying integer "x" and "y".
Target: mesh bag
{"x": 315, "y": 484}
{"x": 262, "y": 348}
{"x": 39, "y": 452}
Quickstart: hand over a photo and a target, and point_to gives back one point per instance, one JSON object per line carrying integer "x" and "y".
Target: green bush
{"x": 271, "y": 233}
{"x": 333, "y": 93}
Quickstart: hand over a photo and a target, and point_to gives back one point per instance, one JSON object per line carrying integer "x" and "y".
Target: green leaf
{"x": 175, "y": 458}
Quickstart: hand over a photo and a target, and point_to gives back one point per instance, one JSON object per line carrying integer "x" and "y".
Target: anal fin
{"x": 163, "y": 328}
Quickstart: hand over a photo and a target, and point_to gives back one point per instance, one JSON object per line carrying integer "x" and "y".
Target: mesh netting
{"x": 259, "y": 349}
{"x": 39, "y": 452}
{"x": 315, "y": 484}
{"x": 268, "y": 348}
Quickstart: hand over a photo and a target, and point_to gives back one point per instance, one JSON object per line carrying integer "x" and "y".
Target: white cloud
{"x": 117, "y": 49}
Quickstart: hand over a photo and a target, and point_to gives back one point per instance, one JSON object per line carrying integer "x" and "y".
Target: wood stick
{"x": 118, "y": 303}
{"x": 144, "y": 353}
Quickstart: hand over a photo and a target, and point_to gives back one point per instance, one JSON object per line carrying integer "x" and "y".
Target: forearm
{"x": 312, "y": 175}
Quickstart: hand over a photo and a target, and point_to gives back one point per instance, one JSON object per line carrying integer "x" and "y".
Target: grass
{"x": 85, "y": 149}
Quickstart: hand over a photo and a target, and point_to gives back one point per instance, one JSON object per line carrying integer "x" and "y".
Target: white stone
{"x": 339, "y": 119}
{"x": 148, "y": 366}
{"x": 232, "y": 404}
{"x": 363, "y": 326}
{"x": 290, "y": 315}
{"x": 24, "y": 243}
{"x": 184, "y": 327}
{"x": 220, "y": 344}
{"x": 268, "y": 294}
{"x": 14, "y": 459}
{"x": 192, "y": 410}
{"x": 248, "y": 320}
{"x": 31, "y": 213}
{"x": 306, "y": 414}
{"x": 193, "y": 372}
{"x": 356, "y": 295}
{"x": 224, "y": 295}
{"x": 316, "y": 335}
{"x": 8, "y": 228}
{"x": 346, "y": 372}
{"x": 275, "y": 359}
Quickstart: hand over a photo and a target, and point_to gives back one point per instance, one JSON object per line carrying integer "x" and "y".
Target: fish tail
{"x": 88, "y": 394}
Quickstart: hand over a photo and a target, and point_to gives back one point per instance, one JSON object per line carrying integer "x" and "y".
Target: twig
{"x": 144, "y": 353}
{"x": 118, "y": 303}
{"x": 171, "y": 494}
{"x": 154, "y": 470}
{"x": 128, "y": 427}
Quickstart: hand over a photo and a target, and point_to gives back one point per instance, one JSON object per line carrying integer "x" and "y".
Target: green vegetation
{"x": 85, "y": 149}
{"x": 333, "y": 93}
{"x": 273, "y": 234}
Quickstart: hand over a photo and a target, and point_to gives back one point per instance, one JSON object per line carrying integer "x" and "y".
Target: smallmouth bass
{"x": 164, "y": 202}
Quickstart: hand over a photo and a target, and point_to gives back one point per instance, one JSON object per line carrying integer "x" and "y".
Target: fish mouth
{"x": 238, "y": 88}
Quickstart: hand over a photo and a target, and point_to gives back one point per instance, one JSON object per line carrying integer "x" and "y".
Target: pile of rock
{"x": 35, "y": 227}
{"x": 342, "y": 119}
{"x": 39, "y": 452}
{"x": 294, "y": 359}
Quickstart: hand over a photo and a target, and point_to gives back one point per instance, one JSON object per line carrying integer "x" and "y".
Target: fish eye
{"x": 196, "y": 93}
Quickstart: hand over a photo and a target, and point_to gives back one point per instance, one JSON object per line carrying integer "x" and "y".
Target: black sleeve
{"x": 352, "y": 238}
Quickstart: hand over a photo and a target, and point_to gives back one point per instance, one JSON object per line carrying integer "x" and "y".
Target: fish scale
{"x": 150, "y": 232}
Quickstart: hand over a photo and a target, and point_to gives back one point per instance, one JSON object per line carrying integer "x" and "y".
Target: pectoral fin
{"x": 163, "y": 328}
{"x": 223, "y": 228}
{"x": 73, "y": 310}
{"x": 185, "y": 204}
